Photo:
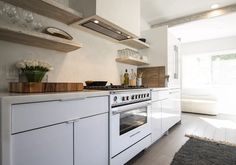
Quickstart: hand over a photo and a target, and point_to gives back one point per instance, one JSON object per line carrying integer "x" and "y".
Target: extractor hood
{"x": 105, "y": 18}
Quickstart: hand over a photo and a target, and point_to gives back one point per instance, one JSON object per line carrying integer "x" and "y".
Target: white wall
{"x": 144, "y": 25}
{"x": 94, "y": 61}
{"x": 209, "y": 46}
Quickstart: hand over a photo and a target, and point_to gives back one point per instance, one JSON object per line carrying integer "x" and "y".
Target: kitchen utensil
{"x": 95, "y": 83}
{"x": 58, "y": 33}
{"x": 139, "y": 82}
{"x": 140, "y": 75}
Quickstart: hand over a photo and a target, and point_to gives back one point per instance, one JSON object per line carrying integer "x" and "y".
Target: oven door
{"x": 128, "y": 125}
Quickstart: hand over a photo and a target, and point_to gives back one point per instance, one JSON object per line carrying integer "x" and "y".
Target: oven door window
{"x": 132, "y": 119}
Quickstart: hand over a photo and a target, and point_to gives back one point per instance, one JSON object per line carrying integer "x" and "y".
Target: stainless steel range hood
{"x": 105, "y": 18}
{"x": 105, "y": 29}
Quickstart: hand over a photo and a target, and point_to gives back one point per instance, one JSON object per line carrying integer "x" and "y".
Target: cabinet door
{"x": 176, "y": 105}
{"x": 46, "y": 146}
{"x": 91, "y": 140}
{"x": 173, "y": 64}
{"x": 171, "y": 112}
{"x": 167, "y": 116}
{"x": 156, "y": 117}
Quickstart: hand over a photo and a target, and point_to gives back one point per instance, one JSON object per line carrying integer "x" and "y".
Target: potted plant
{"x": 33, "y": 70}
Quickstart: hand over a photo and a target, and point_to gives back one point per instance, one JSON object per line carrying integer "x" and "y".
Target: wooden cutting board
{"x": 25, "y": 87}
{"x": 153, "y": 76}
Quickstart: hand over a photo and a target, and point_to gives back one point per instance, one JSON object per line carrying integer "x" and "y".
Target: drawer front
{"x": 47, "y": 146}
{"x": 35, "y": 115}
{"x": 160, "y": 95}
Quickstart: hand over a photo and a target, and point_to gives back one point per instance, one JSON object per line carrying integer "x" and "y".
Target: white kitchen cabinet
{"x": 46, "y": 146}
{"x": 163, "y": 51}
{"x": 171, "y": 110}
{"x": 156, "y": 121}
{"x": 167, "y": 115}
{"x": 166, "y": 111}
{"x": 91, "y": 140}
{"x": 175, "y": 98}
{"x": 40, "y": 114}
{"x": 71, "y": 131}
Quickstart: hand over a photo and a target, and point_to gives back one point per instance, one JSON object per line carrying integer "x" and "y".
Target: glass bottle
{"x": 126, "y": 77}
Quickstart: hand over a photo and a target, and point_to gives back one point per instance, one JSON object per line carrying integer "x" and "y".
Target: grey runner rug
{"x": 202, "y": 152}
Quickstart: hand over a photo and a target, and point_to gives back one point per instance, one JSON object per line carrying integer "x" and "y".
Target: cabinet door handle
{"x": 176, "y": 65}
{"x": 73, "y": 99}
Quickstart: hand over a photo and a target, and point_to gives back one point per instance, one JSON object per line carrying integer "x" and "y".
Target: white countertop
{"x": 37, "y": 97}
{"x": 164, "y": 88}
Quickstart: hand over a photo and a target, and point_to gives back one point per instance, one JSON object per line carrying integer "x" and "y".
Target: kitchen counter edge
{"x": 164, "y": 88}
{"x": 15, "y": 98}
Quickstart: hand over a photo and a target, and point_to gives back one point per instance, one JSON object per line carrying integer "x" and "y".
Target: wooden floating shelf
{"x": 131, "y": 61}
{"x": 49, "y": 8}
{"x": 135, "y": 43}
{"x": 37, "y": 39}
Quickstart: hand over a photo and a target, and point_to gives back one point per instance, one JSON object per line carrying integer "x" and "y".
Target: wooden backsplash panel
{"x": 153, "y": 76}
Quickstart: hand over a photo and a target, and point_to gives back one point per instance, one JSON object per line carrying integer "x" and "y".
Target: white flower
{"x": 28, "y": 63}
{"x": 50, "y": 68}
{"x": 20, "y": 65}
{"x": 33, "y": 64}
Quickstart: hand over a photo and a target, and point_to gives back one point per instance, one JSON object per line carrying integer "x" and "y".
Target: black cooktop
{"x": 114, "y": 87}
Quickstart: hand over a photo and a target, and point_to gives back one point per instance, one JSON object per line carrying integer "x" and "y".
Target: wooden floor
{"x": 220, "y": 128}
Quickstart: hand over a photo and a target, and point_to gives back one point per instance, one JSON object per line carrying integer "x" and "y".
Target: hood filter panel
{"x": 105, "y": 29}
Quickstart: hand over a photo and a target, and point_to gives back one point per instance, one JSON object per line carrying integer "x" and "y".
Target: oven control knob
{"x": 144, "y": 95}
{"x": 132, "y": 97}
{"x": 139, "y": 96}
{"x": 127, "y": 97}
{"x": 115, "y": 98}
{"x": 147, "y": 94}
{"x": 136, "y": 96}
{"x": 123, "y": 98}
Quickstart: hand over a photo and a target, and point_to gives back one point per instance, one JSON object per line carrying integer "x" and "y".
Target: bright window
{"x": 209, "y": 70}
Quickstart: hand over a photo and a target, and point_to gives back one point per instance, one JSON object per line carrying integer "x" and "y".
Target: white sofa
{"x": 199, "y": 100}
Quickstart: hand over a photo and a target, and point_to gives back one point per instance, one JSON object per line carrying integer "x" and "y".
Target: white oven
{"x": 129, "y": 122}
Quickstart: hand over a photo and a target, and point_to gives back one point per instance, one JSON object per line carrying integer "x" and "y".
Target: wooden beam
{"x": 198, "y": 16}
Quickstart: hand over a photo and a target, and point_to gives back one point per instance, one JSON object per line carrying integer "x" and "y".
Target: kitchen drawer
{"x": 160, "y": 95}
{"x": 34, "y": 115}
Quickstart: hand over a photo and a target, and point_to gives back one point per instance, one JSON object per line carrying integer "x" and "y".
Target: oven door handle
{"x": 131, "y": 107}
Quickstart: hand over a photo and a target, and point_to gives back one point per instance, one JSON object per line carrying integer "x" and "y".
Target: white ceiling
{"x": 218, "y": 27}
{"x": 156, "y": 11}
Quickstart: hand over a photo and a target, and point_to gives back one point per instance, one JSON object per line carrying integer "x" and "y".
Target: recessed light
{"x": 96, "y": 21}
{"x": 128, "y": 37}
{"x": 215, "y": 6}
{"x": 118, "y": 32}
